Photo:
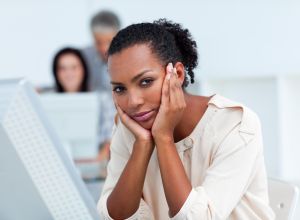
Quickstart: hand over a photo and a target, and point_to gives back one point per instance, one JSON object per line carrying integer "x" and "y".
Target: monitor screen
{"x": 75, "y": 118}
{"x": 37, "y": 178}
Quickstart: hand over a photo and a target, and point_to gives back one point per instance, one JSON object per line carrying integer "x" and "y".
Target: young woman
{"x": 71, "y": 75}
{"x": 70, "y": 71}
{"x": 173, "y": 154}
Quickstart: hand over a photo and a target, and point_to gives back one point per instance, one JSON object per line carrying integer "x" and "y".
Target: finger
{"x": 126, "y": 120}
{"x": 121, "y": 114}
{"x": 174, "y": 96}
{"x": 177, "y": 97}
{"x": 181, "y": 98}
{"x": 180, "y": 94}
{"x": 166, "y": 84}
{"x": 114, "y": 99}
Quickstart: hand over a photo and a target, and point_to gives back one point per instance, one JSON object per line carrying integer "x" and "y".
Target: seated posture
{"x": 173, "y": 154}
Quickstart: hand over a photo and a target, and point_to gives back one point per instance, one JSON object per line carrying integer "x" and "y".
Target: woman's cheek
{"x": 157, "y": 92}
{"x": 121, "y": 102}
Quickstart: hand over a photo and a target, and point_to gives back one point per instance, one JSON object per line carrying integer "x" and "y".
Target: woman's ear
{"x": 180, "y": 72}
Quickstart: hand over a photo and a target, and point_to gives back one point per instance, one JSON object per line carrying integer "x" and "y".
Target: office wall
{"x": 290, "y": 120}
{"x": 32, "y": 31}
{"x": 234, "y": 37}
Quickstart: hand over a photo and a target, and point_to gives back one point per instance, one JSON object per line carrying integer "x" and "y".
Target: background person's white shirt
{"x": 222, "y": 157}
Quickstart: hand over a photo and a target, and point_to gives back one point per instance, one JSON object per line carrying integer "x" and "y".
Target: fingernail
{"x": 175, "y": 71}
{"x": 169, "y": 67}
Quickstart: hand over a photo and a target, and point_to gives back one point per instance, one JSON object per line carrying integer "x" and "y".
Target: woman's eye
{"x": 146, "y": 82}
{"x": 118, "y": 89}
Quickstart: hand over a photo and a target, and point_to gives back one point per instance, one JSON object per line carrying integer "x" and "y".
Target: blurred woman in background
{"x": 71, "y": 75}
{"x": 70, "y": 71}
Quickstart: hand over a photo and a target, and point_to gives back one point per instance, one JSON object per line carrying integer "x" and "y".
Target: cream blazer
{"x": 222, "y": 157}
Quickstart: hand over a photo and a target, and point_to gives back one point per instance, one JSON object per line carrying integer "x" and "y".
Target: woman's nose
{"x": 135, "y": 100}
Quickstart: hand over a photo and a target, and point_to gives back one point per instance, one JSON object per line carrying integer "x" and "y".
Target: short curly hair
{"x": 168, "y": 40}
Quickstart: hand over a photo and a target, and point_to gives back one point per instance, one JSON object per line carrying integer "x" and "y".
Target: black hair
{"x": 77, "y": 53}
{"x": 168, "y": 40}
{"x": 106, "y": 19}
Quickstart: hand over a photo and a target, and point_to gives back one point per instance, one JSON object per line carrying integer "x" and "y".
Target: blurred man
{"x": 104, "y": 26}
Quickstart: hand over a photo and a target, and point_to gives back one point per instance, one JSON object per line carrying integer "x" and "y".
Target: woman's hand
{"x": 171, "y": 108}
{"x": 141, "y": 134}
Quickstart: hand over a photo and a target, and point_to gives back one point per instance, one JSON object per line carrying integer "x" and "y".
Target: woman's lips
{"x": 143, "y": 116}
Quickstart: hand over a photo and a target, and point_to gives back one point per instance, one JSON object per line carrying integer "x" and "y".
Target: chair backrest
{"x": 283, "y": 198}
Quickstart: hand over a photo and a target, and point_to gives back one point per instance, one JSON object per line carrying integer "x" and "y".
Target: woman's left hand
{"x": 171, "y": 107}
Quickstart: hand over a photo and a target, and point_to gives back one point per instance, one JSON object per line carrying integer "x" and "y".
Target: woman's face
{"x": 137, "y": 77}
{"x": 70, "y": 72}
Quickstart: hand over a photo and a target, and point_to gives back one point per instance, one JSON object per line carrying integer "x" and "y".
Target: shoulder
{"x": 89, "y": 51}
{"x": 230, "y": 114}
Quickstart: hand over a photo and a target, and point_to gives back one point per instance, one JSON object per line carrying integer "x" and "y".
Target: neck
{"x": 195, "y": 104}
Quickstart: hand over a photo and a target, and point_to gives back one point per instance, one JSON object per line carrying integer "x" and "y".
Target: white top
{"x": 222, "y": 157}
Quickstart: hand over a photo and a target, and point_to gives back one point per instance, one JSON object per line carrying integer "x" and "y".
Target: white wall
{"x": 32, "y": 31}
{"x": 259, "y": 94}
{"x": 234, "y": 37}
{"x": 289, "y": 126}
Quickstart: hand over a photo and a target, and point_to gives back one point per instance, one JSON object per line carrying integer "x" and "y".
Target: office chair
{"x": 283, "y": 198}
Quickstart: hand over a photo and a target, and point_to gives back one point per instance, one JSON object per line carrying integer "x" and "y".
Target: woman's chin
{"x": 147, "y": 124}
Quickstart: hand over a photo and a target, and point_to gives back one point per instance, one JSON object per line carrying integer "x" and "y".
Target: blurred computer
{"x": 75, "y": 119}
{"x": 37, "y": 178}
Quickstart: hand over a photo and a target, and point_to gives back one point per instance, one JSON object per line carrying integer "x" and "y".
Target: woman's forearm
{"x": 124, "y": 200}
{"x": 175, "y": 181}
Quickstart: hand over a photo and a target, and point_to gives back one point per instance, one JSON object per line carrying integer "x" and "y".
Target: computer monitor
{"x": 75, "y": 117}
{"x": 37, "y": 178}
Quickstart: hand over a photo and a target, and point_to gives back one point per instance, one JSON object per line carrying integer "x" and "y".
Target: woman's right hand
{"x": 132, "y": 178}
{"x": 141, "y": 134}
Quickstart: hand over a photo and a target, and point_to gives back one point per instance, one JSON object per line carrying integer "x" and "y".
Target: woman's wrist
{"x": 144, "y": 145}
{"x": 163, "y": 140}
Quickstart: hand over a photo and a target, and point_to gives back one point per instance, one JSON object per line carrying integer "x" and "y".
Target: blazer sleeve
{"x": 119, "y": 155}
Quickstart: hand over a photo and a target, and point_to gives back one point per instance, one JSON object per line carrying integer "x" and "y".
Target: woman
{"x": 71, "y": 75}
{"x": 173, "y": 154}
{"x": 70, "y": 71}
